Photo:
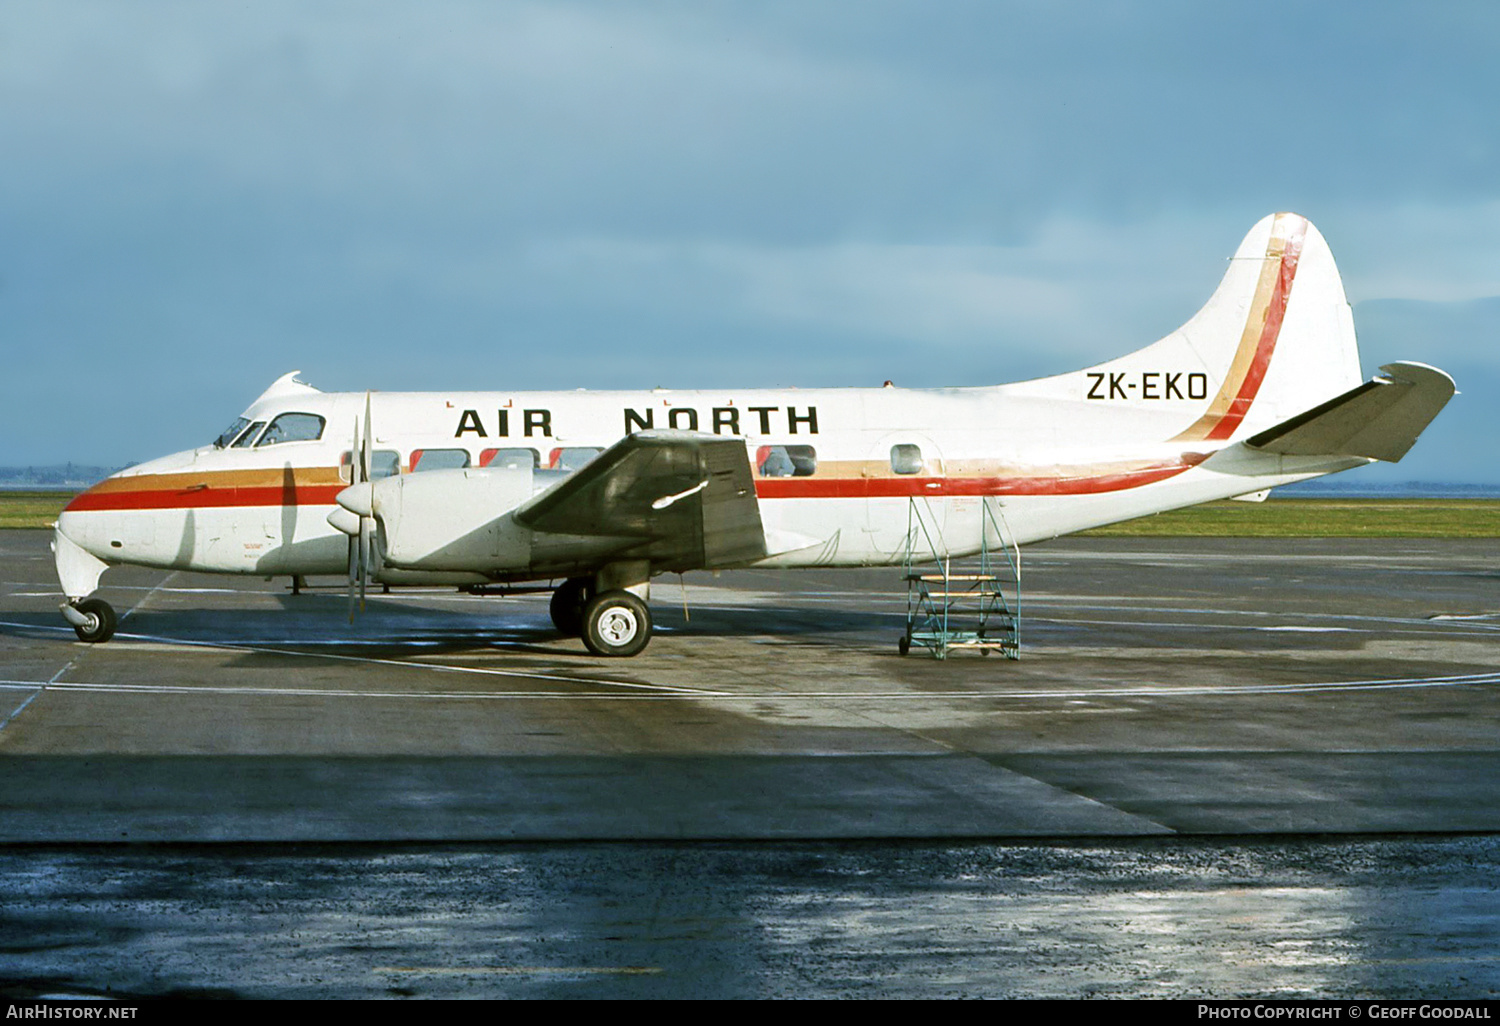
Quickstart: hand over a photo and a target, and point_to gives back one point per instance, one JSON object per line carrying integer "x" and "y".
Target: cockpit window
{"x": 230, "y": 433}
{"x": 293, "y": 427}
{"x": 249, "y": 435}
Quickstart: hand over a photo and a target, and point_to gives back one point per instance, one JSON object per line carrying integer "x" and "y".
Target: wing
{"x": 684, "y": 501}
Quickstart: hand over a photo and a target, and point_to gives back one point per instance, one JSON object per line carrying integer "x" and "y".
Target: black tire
{"x": 102, "y": 621}
{"x": 616, "y": 623}
{"x": 567, "y": 606}
{"x": 904, "y": 645}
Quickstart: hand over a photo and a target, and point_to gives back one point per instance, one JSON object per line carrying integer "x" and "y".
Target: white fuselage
{"x": 837, "y": 471}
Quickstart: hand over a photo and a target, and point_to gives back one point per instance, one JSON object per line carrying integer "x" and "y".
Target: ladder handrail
{"x": 931, "y": 602}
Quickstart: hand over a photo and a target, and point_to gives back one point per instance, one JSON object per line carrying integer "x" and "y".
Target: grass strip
{"x": 1319, "y": 518}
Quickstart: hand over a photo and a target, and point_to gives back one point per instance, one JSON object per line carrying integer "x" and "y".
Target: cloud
{"x": 196, "y": 198}
{"x": 1429, "y": 252}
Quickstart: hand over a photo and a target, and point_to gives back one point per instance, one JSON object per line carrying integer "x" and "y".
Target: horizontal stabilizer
{"x": 1377, "y": 420}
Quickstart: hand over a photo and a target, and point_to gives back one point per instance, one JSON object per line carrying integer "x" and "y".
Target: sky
{"x": 196, "y": 198}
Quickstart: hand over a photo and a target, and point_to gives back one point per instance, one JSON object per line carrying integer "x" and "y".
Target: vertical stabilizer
{"x": 1278, "y": 327}
{"x": 1275, "y": 339}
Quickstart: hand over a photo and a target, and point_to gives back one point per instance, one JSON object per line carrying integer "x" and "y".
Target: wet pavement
{"x": 1180, "y": 918}
{"x": 1171, "y": 794}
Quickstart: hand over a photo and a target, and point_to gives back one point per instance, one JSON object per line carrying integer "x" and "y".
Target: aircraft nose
{"x": 70, "y": 520}
{"x": 86, "y": 499}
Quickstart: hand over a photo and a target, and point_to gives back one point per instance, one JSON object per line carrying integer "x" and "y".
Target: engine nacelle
{"x": 454, "y": 519}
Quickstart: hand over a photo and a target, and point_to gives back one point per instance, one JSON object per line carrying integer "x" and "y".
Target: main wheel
{"x": 616, "y": 623}
{"x": 101, "y": 621}
{"x": 567, "y": 606}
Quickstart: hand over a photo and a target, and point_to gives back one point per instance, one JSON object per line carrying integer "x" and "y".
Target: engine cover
{"x": 454, "y": 519}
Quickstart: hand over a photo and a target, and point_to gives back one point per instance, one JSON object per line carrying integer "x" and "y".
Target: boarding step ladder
{"x": 970, "y": 601}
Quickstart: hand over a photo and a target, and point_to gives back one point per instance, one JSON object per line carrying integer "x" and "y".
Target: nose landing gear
{"x": 93, "y": 619}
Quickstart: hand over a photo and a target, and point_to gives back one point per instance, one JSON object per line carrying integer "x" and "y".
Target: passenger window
{"x": 439, "y": 459}
{"x": 906, "y": 459}
{"x": 249, "y": 435}
{"x": 574, "y": 458}
{"x": 293, "y": 427}
{"x": 510, "y": 459}
{"x": 786, "y": 461}
{"x": 383, "y": 463}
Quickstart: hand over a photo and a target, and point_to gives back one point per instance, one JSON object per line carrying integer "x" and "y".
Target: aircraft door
{"x": 905, "y": 471}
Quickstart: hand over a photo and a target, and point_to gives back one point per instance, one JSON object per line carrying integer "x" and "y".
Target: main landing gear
{"x": 612, "y": 621}
{"x": 93, "y": 619}
{"x": 567, "y": 606}
{"x": 616, "y": 623}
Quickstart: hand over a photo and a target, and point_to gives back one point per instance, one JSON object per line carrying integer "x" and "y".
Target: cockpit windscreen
{"x": 231, "y": 433}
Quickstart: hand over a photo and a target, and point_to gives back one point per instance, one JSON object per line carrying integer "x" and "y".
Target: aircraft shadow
{"x": 388, "y": 630}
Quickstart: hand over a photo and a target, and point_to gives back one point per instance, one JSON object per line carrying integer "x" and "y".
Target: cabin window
{"x": 510, "y": 459}
{"x": 293, "y": 427}
{"x": 906, "y": 459}
{"x": 230, "y": 433}
{"x": 786, "y": 461}
{"x": 383, "y": 463}
{"x": 439, "y": 459}
{"x": 249, "y": 435}
{"x": 574, "y": 457}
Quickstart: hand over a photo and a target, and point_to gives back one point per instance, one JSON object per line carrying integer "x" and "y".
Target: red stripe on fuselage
{"x": 206, "y": 498}
{"x": 906, "y": 487}
{"x": 1104, "y": 479}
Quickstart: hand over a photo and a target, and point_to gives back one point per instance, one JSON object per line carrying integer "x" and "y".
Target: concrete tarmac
{"x": 1166, "y": 686}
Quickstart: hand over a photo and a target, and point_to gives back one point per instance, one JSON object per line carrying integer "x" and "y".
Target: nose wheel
{"x": 93, "y": 620}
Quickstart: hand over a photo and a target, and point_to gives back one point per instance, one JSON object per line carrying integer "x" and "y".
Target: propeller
{"x": 356, "y": 513}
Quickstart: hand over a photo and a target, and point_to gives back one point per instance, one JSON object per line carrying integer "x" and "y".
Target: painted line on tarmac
{"x": 71, "y": 663}
{"x": 372, "y": 660}
{"x": 520, "y": 970}
{"x": 1227, "y": 690}
{"x": 211, "y": 689}
{"x": 1411, "y": 626}
{"x": 40, "y": 685}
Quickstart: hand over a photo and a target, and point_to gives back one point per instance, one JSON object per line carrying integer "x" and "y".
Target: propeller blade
{"x": 360, "y": 473}
{"x": 365, "y": 454}
{"x": 354, "y": 461}
{"x": 366, "y": 524}
{"x": 353, "y": 572}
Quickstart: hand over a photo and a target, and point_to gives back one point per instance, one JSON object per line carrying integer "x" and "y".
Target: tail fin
{"x": 1278, "y": 326}
{"x": 1274, "y": 340}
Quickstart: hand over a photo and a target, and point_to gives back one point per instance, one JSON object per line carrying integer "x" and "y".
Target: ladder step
{"x": 965, "y": 604}
{"x": 951, "y": 577}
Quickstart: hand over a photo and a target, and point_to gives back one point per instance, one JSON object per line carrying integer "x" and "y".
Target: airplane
{"x": 604, "y": 490}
